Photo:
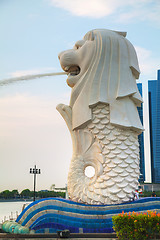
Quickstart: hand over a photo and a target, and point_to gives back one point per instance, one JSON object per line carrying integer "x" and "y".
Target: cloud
{"x": 124, "y": 9}
{"x": 148, "y": 63}
{"x": 90, "y": 8}
{"x": 142, "y": 11}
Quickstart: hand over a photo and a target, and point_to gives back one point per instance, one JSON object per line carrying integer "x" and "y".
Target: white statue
{"x": 102, "y": 117}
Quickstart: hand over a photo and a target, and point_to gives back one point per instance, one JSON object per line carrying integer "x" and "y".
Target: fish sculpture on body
{"x": 102, "y": 117}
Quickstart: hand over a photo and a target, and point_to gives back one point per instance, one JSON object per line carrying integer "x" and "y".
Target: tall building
{"x": 141, "y": 139}
{"x": 154, "y": 121}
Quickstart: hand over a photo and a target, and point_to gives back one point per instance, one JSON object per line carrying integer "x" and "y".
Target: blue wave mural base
{"x": 53, "y": 214}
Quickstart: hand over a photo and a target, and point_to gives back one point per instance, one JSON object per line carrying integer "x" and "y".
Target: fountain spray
{"x": 29, "y": 77}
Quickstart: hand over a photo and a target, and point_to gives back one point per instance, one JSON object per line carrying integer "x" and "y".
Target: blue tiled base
{"x": 52, "y": 214}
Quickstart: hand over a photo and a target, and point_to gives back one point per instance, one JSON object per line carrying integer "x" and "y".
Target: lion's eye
{"x": 79, "y": 44}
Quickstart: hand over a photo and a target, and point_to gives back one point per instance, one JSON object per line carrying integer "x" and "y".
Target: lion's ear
{"x": 91, "y": 36}
{"x": 124, "y": 34}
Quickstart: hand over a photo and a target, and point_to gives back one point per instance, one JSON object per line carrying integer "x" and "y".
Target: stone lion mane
{"x": 110, "y": 79}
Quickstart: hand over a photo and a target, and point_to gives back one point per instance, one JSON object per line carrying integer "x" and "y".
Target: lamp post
{"x": 35, "y": 171}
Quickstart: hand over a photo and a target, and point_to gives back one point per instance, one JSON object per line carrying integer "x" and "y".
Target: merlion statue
{"x": 102, "y": 117}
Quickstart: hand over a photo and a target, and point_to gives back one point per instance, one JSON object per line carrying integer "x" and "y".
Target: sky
{"x": 32, "y": 34}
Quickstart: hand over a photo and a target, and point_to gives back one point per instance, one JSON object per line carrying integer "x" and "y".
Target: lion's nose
{"x": 60, "y": 54}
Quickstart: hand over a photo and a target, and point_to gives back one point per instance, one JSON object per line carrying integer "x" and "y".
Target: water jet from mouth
{"x": 28, "y": 77}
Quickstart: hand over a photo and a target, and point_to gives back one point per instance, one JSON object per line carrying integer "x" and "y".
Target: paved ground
{"x": 78, "y": 236}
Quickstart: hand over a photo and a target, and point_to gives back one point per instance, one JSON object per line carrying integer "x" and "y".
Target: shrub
{"x": 137, "y": 226}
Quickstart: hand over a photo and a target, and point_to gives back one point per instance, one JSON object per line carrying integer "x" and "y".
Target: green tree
{"x": 15, "y": 193}
{"x": 6, "y": 194}
{"x": 26, "y": 193}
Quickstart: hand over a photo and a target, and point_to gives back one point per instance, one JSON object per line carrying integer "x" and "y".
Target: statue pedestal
{"x": 54, "y": 214}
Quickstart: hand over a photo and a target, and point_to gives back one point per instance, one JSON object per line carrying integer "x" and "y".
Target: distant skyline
{"x": 32, "y": 34}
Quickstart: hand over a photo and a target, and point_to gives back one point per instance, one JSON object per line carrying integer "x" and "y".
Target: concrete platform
{"x": 77, "y": 236}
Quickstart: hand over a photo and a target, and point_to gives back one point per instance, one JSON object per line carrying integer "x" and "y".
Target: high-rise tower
{"x": 154, "y": 121}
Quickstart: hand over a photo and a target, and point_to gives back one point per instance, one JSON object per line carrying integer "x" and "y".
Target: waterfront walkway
{"x": 77, "y": 236}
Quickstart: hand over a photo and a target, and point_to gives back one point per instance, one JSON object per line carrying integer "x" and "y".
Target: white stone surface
{"x": 102, "y": 117}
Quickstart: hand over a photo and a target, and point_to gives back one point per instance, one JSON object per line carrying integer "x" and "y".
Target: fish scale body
{"x": 102, "y": 117}
{"x": 113, "y": 152}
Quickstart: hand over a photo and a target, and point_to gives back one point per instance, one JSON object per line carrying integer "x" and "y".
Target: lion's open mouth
{"x": 73, "y": 70}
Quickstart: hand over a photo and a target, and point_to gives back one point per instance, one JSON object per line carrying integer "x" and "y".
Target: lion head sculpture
{"x": 103, "y": 68}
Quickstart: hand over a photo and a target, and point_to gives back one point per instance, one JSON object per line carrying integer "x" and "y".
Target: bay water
{"x": 10, "y": 210}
